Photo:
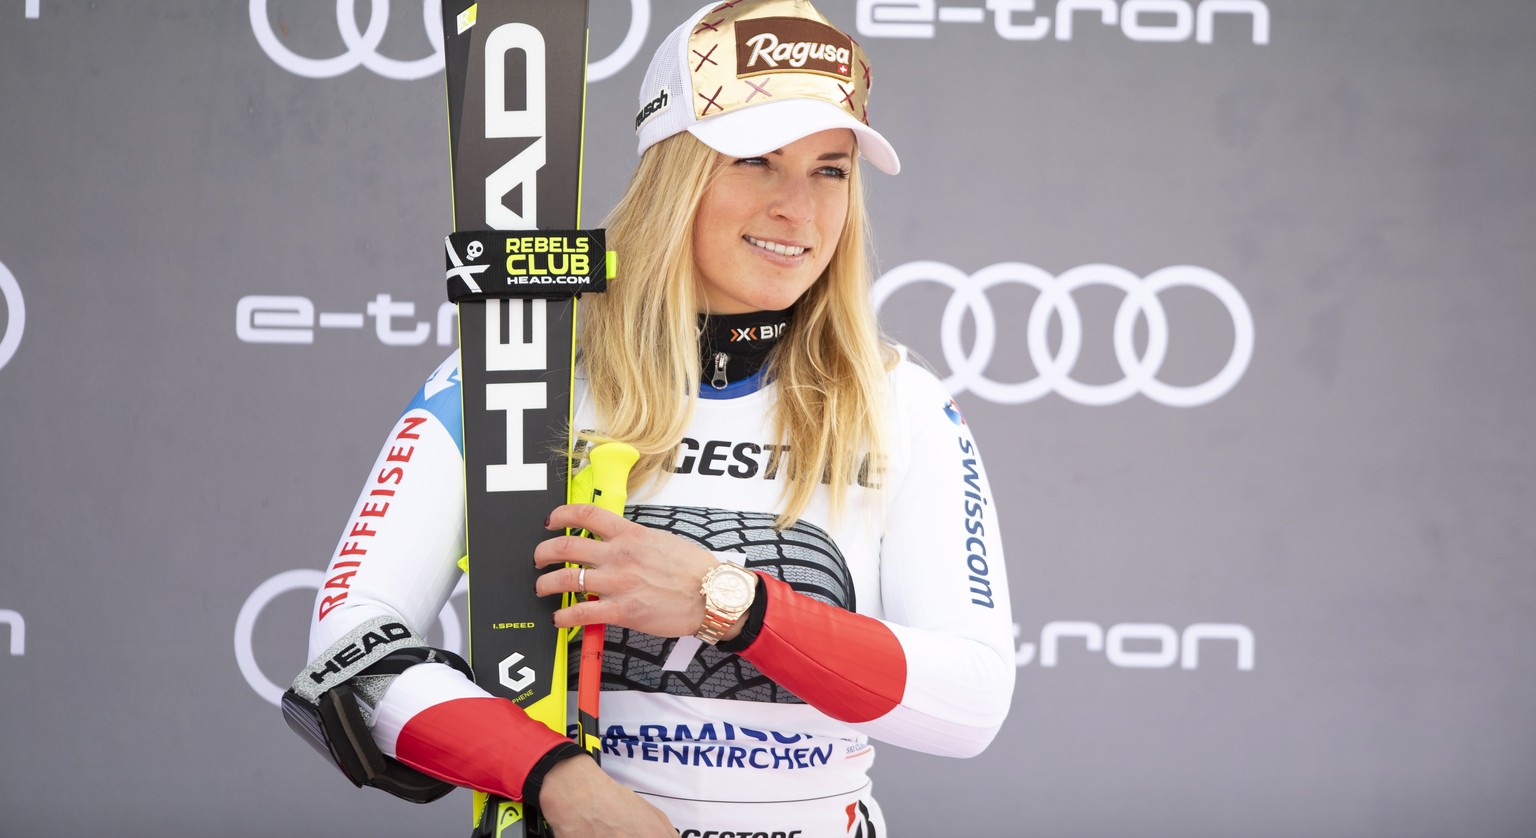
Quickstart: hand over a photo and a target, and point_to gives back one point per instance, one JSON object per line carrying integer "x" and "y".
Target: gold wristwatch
{"x": 728, "y": 592}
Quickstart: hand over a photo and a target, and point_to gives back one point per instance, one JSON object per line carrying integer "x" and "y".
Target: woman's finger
{"x": 585, "y": 516}
{"x": 586, "y": 612}
{"x": 563, "y": 580}
{"x": 568, "y": 549}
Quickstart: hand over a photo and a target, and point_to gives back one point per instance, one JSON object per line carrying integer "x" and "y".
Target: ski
{"x": 516, "y": 81}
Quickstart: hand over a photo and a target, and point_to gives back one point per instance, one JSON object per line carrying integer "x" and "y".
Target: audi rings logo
{"x": 15, "y": 315}
{"x": 1053, "y": 370}
{"x": 361, "y": 47}
{"x": 309, "y": 580}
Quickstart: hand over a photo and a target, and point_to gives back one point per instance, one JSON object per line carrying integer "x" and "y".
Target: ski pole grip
{"x": 610, "y": 463}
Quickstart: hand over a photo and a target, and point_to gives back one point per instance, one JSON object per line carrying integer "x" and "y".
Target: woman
{"x": 777, "y": 433}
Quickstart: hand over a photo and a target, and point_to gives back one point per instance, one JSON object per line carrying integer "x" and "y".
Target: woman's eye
{"x": 752, "y": 161}
{"x": 837, "y": 172}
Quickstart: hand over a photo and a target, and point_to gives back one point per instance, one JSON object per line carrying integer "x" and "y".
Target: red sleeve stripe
{"x": 488, "y": 744}
{"x": 846, "y": 665}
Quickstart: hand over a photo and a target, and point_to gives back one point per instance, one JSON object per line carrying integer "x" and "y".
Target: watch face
{"x": 731, "y": 591}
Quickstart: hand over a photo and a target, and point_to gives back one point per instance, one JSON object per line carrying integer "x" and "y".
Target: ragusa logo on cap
{"x": 775, "y": 44}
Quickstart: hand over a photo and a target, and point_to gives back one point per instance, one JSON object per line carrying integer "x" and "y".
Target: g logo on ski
{"x": 515, "y": 679}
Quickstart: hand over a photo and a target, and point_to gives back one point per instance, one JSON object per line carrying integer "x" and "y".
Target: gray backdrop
{"x": 1237, "y": 296}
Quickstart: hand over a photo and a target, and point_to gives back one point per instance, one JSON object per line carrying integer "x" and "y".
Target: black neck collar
{"x": 734, "y": 346}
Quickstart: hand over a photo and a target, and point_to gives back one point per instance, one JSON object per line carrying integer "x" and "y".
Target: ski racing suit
{"x": 891, "y": 622}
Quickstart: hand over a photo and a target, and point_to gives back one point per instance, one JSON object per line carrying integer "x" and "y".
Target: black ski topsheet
{"x": 516, "y": 92}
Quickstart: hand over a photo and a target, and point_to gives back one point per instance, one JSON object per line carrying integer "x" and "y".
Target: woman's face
{"x": 767, "y": 226}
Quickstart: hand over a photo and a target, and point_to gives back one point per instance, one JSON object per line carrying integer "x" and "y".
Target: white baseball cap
{"x": 753, "y": 76}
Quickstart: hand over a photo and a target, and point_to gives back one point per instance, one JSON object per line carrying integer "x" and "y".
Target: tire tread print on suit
{"x": 804, "y": 556}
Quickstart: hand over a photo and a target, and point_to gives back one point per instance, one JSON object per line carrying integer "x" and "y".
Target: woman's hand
{"x": 645, "y": 579}
{"x": 579, "y": 800}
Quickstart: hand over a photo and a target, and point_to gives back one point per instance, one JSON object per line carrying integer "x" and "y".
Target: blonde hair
{"x": 640, "y": 339}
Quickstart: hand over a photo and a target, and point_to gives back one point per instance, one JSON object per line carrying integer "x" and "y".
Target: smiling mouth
{"x": 781, "y": 249}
